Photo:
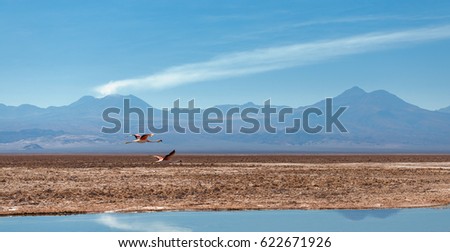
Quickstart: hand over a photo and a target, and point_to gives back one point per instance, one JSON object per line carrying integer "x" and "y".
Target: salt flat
{"x": 65, "y": 184}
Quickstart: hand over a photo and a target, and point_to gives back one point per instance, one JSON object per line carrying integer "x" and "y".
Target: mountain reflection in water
{"x": 357, "y": 215}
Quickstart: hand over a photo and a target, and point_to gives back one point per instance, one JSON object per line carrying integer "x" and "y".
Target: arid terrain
{"x": 65, "y": 184}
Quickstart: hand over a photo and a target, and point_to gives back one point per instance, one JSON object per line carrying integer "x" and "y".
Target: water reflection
{"x": 424, "y": 219}
{"x": 121, "y": 224}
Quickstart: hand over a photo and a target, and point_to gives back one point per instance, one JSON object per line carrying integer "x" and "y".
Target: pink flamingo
{"x": 165, "y": 158}
{"x": 143, "y": 139}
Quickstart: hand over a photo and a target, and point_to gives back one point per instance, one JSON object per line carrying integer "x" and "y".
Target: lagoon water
{"x": 385, "y": 220}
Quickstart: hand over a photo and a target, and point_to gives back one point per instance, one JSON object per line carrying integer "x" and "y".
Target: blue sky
{"x": 223, "y": 52}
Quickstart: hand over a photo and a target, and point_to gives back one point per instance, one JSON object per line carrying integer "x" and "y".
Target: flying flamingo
{"x": 165, "y": 158}
{"x": 143, "y": 139}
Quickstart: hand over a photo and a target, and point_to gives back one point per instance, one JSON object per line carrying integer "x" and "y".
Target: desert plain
{"x": 72, "y": 184}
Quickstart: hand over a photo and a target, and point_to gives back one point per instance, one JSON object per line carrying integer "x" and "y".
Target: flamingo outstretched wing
{"x": 165, "y": 158}
{"x": 168, "y": 156}
{"x": 145, "y": 136}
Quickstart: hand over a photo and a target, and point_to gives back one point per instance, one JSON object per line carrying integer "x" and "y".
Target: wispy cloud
{"x": 275, "y": 58}
{"x": 359, "y": 19}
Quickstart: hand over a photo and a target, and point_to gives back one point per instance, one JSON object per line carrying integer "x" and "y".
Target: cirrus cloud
{"x": 275, "y": 58}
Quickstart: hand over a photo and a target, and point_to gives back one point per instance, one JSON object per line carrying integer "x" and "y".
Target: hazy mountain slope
{"x": 445, "y": 110}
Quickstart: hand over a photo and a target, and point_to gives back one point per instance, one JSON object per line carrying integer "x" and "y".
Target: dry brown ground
{"x": 62, "y": 184}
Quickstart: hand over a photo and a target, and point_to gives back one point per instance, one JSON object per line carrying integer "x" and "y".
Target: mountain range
{"x": 376, "y": 121}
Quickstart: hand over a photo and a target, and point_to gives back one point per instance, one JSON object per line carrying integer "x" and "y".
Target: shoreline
{"x": 217, "y": 210}
{"x": 38, "y": 185}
